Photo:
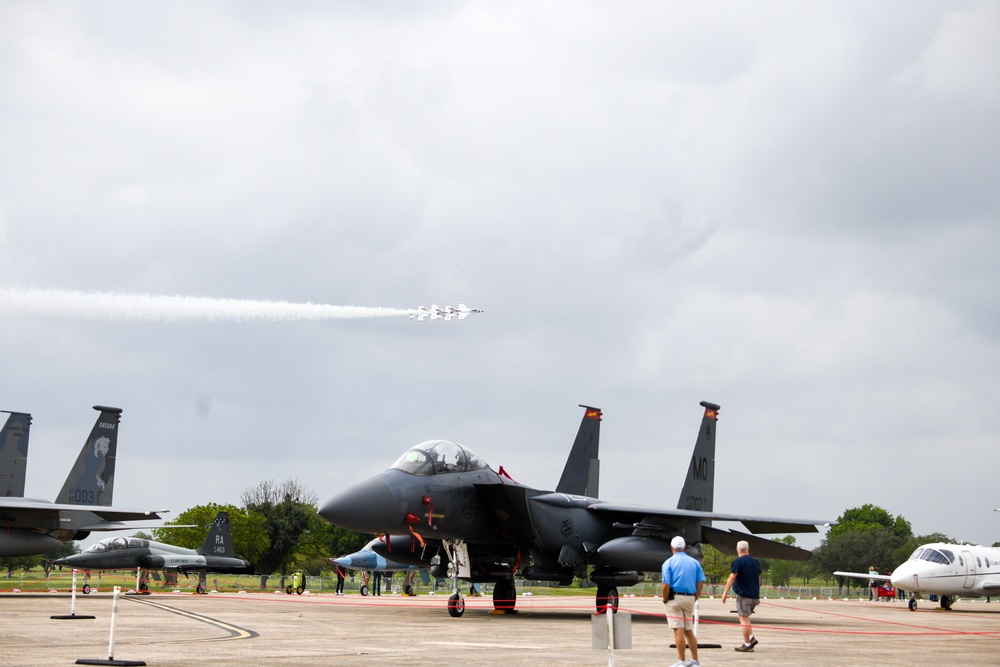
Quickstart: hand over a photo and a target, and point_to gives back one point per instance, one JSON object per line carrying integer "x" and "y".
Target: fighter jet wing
{"x": 11, "y": 508}
{"x": 755, "y": 524}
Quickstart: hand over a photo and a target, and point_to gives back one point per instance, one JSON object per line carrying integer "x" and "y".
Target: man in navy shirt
{"x": 745, "y": 582}
{"x": 683, "y": 580}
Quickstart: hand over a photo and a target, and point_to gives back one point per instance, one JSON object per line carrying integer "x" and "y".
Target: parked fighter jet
{"x": 32, "y": 526}
{"x": 946, "y": 570}
{"x": 366, "y": 560}
{"x": 129, "y": 553}
{"x": 440, "y": 505}
{"x": 14, "y": 453}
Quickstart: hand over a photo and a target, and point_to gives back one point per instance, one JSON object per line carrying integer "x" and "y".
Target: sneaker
{"x": 753, "y": 642}
{"x": 680, "y": 663}
{"x": 693, "y": 663}
{"x": 743, "y": 648}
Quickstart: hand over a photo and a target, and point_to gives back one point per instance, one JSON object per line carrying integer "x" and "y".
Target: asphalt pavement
{"x": 182, "y": 629}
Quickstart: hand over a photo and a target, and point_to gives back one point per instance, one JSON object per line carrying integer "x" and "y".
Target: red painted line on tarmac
{"x": 921, "y": 630}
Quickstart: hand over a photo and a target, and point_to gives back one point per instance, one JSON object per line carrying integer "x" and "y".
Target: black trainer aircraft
{"x": 215, "y": 554}
{"x": 440, "y": 506}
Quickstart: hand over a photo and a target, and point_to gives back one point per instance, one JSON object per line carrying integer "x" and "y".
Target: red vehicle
{"x": 886, "y": 591}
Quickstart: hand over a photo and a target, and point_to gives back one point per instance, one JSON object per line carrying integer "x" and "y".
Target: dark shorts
{"x": 745, "y": 606}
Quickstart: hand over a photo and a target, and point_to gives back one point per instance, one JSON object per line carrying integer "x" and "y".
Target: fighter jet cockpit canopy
{"x": 436, "y": 457}
{"x": 943, "y": 556}
{"x": 113, "y": 543}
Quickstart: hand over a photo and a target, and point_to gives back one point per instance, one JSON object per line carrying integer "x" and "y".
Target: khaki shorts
{"x": 745, "y": 606}
{"x": 680, "y": 612}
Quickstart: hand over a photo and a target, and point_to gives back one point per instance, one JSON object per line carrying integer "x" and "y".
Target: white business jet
{"x": 946, "y": 570}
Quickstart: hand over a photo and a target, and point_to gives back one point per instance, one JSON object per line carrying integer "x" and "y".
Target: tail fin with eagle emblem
{"x": 92, "y": 479}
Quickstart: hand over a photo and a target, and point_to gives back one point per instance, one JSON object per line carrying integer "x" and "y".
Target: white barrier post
{"x": 114, "y": 618}
{"x": 609, "y": 612}
{"x": 72, "y": 605}
{"x": 111, "y": 641}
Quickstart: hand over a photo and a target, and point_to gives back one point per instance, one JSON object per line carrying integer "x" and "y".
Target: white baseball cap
{"x": 678, "y": 542}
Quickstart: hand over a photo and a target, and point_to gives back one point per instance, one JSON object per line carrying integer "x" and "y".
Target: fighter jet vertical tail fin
{"x": 581, "y": 475}
{"x": 219, "y": 541}
{"x": 699, "y": 485}
{"x": 92, "y": 479}
{"x": 14, "y": 453}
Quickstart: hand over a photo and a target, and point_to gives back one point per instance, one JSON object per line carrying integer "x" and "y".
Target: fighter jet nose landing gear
{"x": 456, "y": 605}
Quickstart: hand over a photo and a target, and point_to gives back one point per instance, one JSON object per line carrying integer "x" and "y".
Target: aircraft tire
{"x": 503, "y": 595}
{"x": 946, "y": 602}
{"x": 408, "y": 590}
{"x": 86, "y": 589}
{"x": 456, "y": 605}
{"x": 289, "y": 590}
{"x": 912, "y": 604}
{"x": 364, "y": 590}
{"x": 200, "y": 590}
{"x": 143, "y": 587}
{"x": 607, "y": 596}
{"x": 300, "y": 590}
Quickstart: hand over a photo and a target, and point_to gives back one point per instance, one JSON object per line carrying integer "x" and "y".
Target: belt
{"x": 687, "y": 595}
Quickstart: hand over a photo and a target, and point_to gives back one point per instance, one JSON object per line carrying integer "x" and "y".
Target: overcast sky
{"x": 790, "y": 209}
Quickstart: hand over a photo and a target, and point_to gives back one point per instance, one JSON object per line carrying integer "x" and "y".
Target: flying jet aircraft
{"x": 32, "y": 526}
{"x": 129, "y": 553}
{"x": 946, "y": 570}
{"x": 463, "y": 311}
{"x": 367, "y": 560}
{"x": 14, "y": 453}
{"x": 440, "y": 505}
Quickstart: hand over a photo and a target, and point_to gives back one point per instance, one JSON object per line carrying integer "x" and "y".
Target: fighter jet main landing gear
{"x": 504, "y": 595}
{"x": 607, "y": 596}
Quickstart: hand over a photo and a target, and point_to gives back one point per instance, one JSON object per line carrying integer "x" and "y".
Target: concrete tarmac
{"x": 174, "y": 630}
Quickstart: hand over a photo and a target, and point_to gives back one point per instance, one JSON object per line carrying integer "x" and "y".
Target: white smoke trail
{"x": 151, "y": 308}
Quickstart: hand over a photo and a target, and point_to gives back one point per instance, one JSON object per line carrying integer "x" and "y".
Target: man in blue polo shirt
{"x": 683, "y": 580}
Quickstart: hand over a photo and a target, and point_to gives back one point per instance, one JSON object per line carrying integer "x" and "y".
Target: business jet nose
{"x": 367, "y": 507}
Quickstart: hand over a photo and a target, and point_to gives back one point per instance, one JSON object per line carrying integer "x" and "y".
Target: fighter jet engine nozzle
{"x": 366, "y": 507}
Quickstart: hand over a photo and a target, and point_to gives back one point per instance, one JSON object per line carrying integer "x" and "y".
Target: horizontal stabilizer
{"x": 725, "y": 541}
{"x": 777, "y": 527}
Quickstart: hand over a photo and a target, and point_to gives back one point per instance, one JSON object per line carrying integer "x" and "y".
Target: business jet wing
{"x": 864, "y": 575}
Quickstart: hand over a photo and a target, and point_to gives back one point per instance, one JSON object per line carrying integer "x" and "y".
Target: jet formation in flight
{"x": 441, "y": 506}
{"x": 447, "y": 313}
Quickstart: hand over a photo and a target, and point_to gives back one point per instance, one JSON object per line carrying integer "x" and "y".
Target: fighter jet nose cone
{"x": 368, "y": 507}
